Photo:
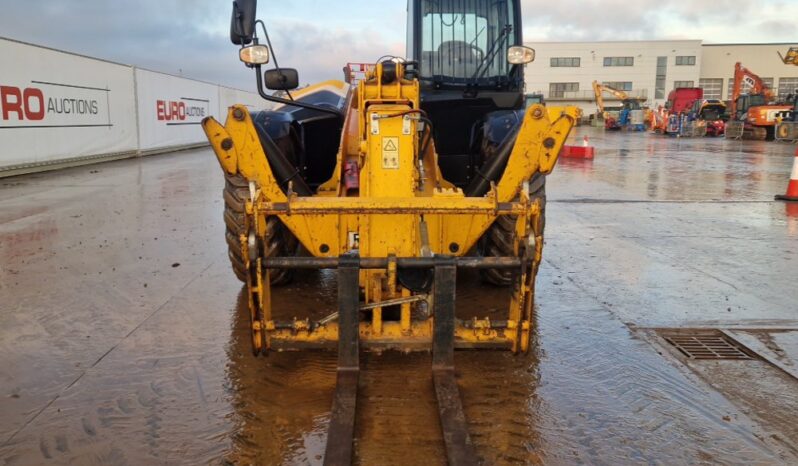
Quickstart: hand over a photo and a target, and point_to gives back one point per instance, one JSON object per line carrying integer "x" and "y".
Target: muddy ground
{"x": 123, "y": 333}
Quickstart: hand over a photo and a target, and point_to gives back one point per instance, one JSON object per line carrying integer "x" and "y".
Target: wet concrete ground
{"x": 123, "y": 332}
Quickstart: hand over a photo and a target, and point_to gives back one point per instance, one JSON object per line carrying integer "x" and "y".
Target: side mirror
{"x": 242, "y": 23}
{"x": 284, "y": 79}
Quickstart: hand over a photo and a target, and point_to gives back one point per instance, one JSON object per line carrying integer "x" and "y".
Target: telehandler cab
{"x": 429, "y": 165}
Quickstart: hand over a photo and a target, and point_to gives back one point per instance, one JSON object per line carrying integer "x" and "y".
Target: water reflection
{"x": 281, "y": 402}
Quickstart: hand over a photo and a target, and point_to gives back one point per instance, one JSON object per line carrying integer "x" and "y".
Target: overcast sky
{"x": 190, "y": 37}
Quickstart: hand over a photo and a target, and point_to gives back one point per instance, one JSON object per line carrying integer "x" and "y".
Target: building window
{"x": 662, "y": 70}
{"x": 685, "y": 60}
{"x": 677, "y": 84}
{"x": 573, "y": 62}
{"x": 619, "y": 61}
{"x": 787, "y": 86}
{"x": 619, "y": 85}
{"x": 713, "y": 87}
{"x": 559, "y": 89}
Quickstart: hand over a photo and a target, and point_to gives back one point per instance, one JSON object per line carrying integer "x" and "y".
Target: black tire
{"x": 499, "y": 239}
{"x": 280, "y": 241}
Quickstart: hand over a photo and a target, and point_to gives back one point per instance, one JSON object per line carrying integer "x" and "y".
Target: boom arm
{"x": 791, "y": 57}
{"x": 600, "y": 89}
{"x": 758, "y": 86}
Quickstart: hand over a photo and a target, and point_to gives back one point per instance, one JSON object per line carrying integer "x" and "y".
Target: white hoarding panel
{"x": 57, "y": 106}
{"x": 171, "y": 109}
{"x": 229, "y": 96}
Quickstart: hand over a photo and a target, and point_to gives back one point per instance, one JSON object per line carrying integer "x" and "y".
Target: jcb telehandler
{"x": 428, "y": 165}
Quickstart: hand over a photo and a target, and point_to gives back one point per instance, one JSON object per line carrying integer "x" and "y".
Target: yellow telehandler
{"x": 429, "y": 165}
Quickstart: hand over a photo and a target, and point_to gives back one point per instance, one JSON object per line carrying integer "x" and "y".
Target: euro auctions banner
{"x": 172, "y": 108}
{"x": 57, "y": 106}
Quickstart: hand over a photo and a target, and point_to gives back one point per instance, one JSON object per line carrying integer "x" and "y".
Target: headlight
{"x": 520, "y": 55}
{"x": 254, "y": 55}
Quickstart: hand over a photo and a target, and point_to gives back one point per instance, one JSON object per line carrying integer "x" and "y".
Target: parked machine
{"x": 428, "y": 165}
{"x": 787, "y": 126}
{"x": 532, "y": 99}
{"x": 673, "y": 119}
{"x": 630, "y": 114}
{"x": 753, "y": 115}
{"x": 787, "y": 120}
{"x": 706, "y": 117}
{"x": 791, "y": 57}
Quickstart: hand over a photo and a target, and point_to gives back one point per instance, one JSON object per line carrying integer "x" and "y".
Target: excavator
{"x": 631, "y": 112}
{"x": 428, "y": 165}
{"x": 753, "y": 116}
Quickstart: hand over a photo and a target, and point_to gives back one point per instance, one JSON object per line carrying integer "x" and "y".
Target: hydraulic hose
{"x": 282, "y": 168}
{"x": 492, "y": 171}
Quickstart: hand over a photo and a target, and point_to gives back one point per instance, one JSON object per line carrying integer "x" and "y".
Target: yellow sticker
{"x": 390, "y": 152}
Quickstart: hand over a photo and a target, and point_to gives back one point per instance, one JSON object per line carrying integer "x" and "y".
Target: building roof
{"x": 793, "y": 44}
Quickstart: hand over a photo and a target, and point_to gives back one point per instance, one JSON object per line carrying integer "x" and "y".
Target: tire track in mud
{"x": 82, "y": 373}
{"x": 146, "y": 401}
{"x": 397, "y": 418}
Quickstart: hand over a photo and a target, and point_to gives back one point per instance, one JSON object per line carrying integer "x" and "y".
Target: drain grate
{"x": 705, "y": 345}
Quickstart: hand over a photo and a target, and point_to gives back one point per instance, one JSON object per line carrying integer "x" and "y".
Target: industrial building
{"x": 563, "y": 71}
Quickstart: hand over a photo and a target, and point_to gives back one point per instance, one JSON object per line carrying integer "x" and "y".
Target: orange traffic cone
{"x": 792, "y": 186}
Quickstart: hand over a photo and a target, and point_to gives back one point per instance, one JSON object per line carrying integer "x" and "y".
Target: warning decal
{"x": 390, "y": 152}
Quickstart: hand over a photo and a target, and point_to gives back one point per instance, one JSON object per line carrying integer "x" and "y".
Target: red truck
{"x": 681, "y": 99}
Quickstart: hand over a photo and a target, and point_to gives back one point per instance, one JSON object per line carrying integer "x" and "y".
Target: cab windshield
{"x": 756, "y": 100}
{"x": 466, "y": 39}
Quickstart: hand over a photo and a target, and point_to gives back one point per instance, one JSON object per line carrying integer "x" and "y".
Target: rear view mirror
{"x": 242, "y": 23}
{"x": 284, "y": 79}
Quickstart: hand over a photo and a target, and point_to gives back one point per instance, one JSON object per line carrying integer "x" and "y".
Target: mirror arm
{"x": 295, "y": 103}
{"x": 274, "y": 56}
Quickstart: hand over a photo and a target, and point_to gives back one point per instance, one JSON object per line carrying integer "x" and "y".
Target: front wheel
{"x": 280, "y": 241}
{"x": 499, "y": 240}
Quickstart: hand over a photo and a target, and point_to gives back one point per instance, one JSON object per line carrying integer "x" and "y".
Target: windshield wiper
{"x": 495, "y": 47}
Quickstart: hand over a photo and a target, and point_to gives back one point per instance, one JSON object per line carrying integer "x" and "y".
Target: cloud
{"x": 321, "y": 53}
{"x": 716, "y": 21}
{"x": 189, "y": 37}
